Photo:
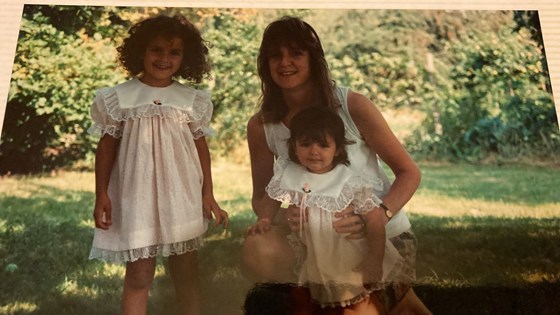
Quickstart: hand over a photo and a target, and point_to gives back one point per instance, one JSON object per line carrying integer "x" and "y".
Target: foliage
{"x": 235, "y": 82}
{"x": 390, "y": 81}
{"x": 479, "y": 76}
{"x": 495, "y": 103}
{"x": 57, "y": 68}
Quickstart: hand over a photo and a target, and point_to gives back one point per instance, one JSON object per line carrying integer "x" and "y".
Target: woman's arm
{"x": 379, "y": 137}
{"x": 262, "y": 164}
{"x": 209, "y": 204}
{"x": 104, "y": 160}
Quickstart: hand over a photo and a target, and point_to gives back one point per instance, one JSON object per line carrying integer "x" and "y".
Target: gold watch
{"x": 388, "y": 212}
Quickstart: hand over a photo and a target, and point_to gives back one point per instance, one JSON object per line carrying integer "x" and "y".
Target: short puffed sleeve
{"x": 203, "y": 108}
{"x": 103, "y": 122}
{"x": 365, "y": 193}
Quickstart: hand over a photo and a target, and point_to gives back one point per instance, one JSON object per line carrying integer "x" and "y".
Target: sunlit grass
{"x": 476, "y": 227}
{"x": 18, "y": 308}
{"x": 436, "y": 205}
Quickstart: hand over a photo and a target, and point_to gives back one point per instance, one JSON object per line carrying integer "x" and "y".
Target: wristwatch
{"x": 388, "y": 212}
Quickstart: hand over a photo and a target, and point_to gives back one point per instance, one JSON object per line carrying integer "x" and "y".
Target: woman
{"x": 295, "y": 75}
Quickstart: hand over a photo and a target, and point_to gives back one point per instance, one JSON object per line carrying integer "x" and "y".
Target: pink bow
{"x": 302, "y": 214}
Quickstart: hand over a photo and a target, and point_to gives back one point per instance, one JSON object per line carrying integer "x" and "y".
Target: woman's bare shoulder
{"x": 361, "y": 107}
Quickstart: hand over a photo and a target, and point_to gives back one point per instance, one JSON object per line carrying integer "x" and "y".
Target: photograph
{"x": 275, "y": 160}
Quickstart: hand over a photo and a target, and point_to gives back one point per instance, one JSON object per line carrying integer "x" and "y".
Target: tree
{"x": 57, "y": 68}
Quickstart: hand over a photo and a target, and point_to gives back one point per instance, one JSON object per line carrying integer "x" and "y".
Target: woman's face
{"x": 162, "y": 59}
{"x": 289, "y": 68}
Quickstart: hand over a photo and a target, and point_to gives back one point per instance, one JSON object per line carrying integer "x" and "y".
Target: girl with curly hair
{"x": 153, "y": 184}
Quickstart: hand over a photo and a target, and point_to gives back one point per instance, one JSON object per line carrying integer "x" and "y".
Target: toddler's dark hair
{"x": 195, "y": 59}
{"x": 315, "y": 124}
{"x": 268, "y": 299}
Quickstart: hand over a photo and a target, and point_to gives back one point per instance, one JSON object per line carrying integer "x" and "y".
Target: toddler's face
{"x": 162, "y": 59}
{"x": 316, "y": 157}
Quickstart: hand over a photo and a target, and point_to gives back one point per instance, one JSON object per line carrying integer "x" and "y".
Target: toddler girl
{"x": 317, "y": 178}
{"x": 153, "y": 183}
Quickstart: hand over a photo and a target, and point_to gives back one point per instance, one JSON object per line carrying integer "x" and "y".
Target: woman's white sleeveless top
{"x": 363, "y": 160}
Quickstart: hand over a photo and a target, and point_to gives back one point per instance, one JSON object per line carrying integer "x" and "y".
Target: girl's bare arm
{"x": 209, "y": 204}
{"x": 104, "y": 160}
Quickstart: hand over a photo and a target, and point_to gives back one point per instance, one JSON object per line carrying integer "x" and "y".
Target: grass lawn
{"x": 488, "y": 243}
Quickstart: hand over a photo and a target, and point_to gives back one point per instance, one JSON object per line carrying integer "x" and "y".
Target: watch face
{"x": 388, "y": 213}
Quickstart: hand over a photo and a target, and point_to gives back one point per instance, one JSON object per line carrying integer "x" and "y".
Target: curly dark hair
{"x": 315, "y": 124}
{"x": 292, "y": 31}
{"x": 195, "y": 61}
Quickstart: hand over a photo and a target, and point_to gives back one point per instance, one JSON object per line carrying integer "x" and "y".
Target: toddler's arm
{"x": 209, "y": 205}
{"x": 104, "y": 160}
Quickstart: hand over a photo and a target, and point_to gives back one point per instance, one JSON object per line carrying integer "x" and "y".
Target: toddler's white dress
{"x": 156, "y": 181}
{"x": 326, "y": 259}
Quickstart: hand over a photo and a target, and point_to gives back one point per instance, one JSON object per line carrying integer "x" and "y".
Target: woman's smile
{"x": 289, "y": 67}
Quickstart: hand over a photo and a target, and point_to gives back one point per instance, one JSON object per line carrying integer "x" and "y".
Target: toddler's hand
{"x": 262, "y": 226}
{"x": 102, "y": 212}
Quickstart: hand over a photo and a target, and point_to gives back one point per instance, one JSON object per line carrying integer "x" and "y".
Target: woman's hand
{"x": 261, "y": 226}
{"x": 350, "y": 223}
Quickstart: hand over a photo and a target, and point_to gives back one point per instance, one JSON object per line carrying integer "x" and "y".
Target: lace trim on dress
{"x": 189, "y": 114}
{"x": 98, "y": 129}
{"x": 200, "y": 124}
{"x": 299, "y": 251}
{"x": 356, "y": 191}
{"x": 355, "y": 300}
{"x": 367, "y": 290}
{"x": 146, "y": 252}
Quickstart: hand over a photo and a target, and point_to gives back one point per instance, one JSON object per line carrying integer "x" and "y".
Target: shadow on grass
{"x": 467, "y": 265}
{"x": 219, "y": 260}
{"x": 46, "y": 236}
{"x": 488, "y": 265}
{"x": 536, "y": 299}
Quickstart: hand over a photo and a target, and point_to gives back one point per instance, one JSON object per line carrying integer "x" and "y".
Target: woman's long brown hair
{"x": 292, "y": 31}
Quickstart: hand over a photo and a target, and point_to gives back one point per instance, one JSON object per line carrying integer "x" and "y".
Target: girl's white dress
{"x": 156, "y": 181}
{"x": 327, "y": 260}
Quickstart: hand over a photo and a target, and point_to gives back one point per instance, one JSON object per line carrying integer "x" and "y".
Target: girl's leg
{"x": 137, "y": 282}
{"x": 184, "y": 273}
{"x": 268, "y": 257}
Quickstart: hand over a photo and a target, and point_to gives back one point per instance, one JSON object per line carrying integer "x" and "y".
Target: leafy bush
{"x": 55, "y": 74}
{"x": 495, "y": 99}
{"x": 479, "y": 77}
{"x": 235, "y": 42}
